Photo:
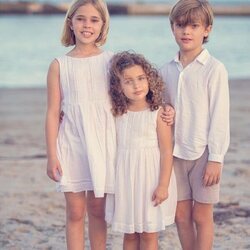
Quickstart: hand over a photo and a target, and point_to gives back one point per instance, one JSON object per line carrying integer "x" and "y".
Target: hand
{"x": 212, "y": 173}
{"x": 54, "y": 170}
{"x": 160, "y": 194}
{"x": 168, "y": 115}
{"x": 61, "y": 116}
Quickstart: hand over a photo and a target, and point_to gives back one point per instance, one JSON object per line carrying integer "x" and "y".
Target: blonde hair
{"x": 68, "y": 37}
{"x": 189, "y": 11}
{"x": 118, "y": 64}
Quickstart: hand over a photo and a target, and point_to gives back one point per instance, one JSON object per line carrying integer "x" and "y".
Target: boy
{"x": 197, "y": 87}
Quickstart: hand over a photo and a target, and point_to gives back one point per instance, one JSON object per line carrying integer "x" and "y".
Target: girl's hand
{"x": 160, "y": 194}
{"x": 54, "y": 170}
{"x": 168, "y": 115}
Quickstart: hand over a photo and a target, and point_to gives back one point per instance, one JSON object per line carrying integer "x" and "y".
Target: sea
{"x": 30, "y": 42}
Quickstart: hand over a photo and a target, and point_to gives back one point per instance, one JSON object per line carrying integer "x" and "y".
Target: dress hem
{"x": 121, "y": 228}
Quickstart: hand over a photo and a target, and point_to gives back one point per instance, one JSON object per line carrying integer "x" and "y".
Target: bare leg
{"x": 149, "y": 241}
{"x": 97, "y": 223}
{"x": 185, "y": 225}
{"x": 75, "y": 214}
{"x": 131, "y": 241}
{"x": 203, "y": 218}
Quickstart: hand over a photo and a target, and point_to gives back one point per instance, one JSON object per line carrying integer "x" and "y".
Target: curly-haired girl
{"x": 145, "y": 189}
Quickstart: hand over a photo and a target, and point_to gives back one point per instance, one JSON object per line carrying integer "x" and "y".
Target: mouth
{"x": 186, "y": 40}
{"x": 86, "y": 33}
{"x": 138, "y": 92}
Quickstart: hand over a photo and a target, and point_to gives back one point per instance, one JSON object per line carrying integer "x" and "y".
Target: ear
{"x": 70, "y": 23}
{"x": 208, "y": 30}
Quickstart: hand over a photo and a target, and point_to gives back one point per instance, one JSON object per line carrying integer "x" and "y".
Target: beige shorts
{"x": 189, "y": 177}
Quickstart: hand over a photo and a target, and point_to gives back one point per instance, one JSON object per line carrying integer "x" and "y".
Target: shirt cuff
{"x": 216, "y": 157}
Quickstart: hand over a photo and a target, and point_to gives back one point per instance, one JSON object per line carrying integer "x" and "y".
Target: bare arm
{"x": 166, "y": 160}
{"x": 52, "y": 120}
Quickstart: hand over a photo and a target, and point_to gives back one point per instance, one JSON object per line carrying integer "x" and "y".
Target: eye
{"x": 95, "y": 20}
{"x": 128, "y": 82}
{"x": 142, "y": 78}
{"x": 195, "y": 25}
{"x": 80, "y": 19}
{"x": 179, "y": 25}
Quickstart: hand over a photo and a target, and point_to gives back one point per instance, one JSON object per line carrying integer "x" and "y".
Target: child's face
{"x": 86, "y": 24}
{"x": 134, "y": 84}
{"x": 190, "y": 37}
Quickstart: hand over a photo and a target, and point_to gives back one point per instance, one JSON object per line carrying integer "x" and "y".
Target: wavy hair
{"x": 118, "y": 64}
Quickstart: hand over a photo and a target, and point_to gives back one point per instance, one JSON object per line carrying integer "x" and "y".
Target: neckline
{"x": 143, "y": 110}
{"x": 87, "y": 57}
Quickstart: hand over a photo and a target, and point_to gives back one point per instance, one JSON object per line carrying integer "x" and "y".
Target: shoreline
{"x": 232, "y": 81}
{"x": 115, "y": 9}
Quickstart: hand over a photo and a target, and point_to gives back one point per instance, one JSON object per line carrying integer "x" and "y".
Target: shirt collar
{"x": 176, "y": 58}
{"x": 201, "y": 58}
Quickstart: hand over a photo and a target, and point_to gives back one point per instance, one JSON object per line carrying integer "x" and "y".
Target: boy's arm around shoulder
{"x": 52, "y": 119}
{"x": 164, "y": 134}
{"x": 168, "y": 114}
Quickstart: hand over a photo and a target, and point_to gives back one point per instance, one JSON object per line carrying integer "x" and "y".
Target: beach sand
{"x": 32, "y": 214}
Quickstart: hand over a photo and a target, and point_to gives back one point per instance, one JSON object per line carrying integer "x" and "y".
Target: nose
{"x": 86, "y": 23}
{"x": 186, "y": 29}
{"x": 135, "y": 84}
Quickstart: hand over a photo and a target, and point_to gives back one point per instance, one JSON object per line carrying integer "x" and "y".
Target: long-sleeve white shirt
{"x": 200, "y": 95}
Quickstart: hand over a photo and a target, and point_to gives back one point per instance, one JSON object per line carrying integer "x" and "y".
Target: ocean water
{"x": 30, "y": 42}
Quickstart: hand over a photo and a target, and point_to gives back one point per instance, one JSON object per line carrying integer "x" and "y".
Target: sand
{"x": 32, "y": 214}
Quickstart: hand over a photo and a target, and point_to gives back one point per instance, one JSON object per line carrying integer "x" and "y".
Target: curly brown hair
{"x": 118, "y": 64}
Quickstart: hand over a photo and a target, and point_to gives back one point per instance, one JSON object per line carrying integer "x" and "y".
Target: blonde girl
{"x": 81, "y": 149}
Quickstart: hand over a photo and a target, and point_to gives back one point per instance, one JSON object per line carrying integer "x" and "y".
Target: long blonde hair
{"x": 68, "y": 37}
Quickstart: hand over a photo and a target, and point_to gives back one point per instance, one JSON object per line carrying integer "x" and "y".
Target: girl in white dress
{"x": 81, "y": 149}
{"x": 145, "y": 188}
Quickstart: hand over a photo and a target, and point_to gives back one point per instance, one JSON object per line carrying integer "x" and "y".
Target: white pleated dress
{"x": 137, "y": 176}
{"x": 86, "y": 140}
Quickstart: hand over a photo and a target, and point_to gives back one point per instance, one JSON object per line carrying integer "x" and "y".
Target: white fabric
{"x": 86, "y": 139}
{"x": 200, "y": 95}
{"x": 137, "y": 176}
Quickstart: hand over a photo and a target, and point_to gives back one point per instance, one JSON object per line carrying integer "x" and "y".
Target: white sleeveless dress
{"x": 137, "y": 176}
{"x": 86, "y": 140}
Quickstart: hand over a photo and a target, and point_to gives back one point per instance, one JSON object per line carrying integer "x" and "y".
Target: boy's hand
{"x": 61, "y": 116}
{"x": 212, "y": 173}
{"x": 160, "y": 194}
{"x": 54, "y": 170}
{"x": 168, "y": 115}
